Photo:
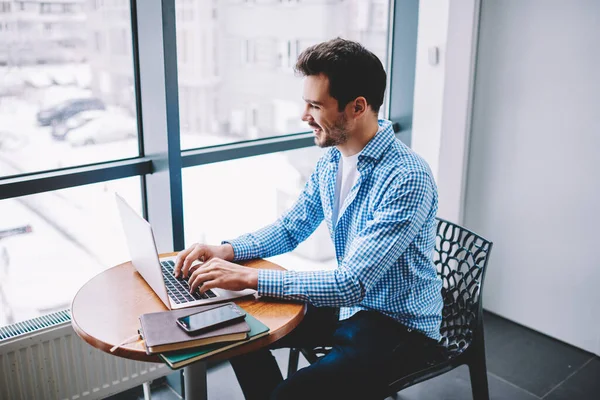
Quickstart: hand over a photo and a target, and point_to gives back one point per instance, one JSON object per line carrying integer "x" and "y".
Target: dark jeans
{"x": 365, "y": 347}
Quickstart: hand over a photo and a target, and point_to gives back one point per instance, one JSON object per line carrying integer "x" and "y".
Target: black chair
{"x": 460, "y": 257}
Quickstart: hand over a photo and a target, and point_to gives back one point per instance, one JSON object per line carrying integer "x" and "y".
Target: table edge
{"x": 137, "y": 355}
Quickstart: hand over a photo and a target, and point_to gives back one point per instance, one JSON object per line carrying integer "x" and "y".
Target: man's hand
{"x": 218, "y": 273}
{"x": 200, "y": 252}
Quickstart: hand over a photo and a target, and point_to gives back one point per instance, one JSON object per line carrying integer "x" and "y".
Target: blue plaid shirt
{"x": 384, "y": 238}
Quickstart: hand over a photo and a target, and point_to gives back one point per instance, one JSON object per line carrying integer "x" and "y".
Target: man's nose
{"x": 306, "y": 114}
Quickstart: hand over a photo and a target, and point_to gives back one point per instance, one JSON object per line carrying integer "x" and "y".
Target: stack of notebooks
{"x": 177, "y": 348}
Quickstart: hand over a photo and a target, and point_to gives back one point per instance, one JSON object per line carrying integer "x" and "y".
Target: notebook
{"x": 182, "y": 358}
{"x": 161, "y": 333}
{"x": 158, "y": 273}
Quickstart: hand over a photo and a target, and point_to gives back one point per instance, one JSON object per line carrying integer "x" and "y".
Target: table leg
{"x": 147, "y": 394}
{"x": 194, "y": 378}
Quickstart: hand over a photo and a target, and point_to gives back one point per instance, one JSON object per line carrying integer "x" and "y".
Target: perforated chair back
{"x": 461, "y": 258}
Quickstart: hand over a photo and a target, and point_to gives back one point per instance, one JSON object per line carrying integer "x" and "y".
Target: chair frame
{"x": 470, "y": 351}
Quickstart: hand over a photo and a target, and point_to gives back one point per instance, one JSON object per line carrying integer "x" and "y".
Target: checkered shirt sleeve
{"x": 374, "y": 251}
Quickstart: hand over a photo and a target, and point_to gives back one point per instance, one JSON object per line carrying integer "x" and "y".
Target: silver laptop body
{"x": 157, "y": 272}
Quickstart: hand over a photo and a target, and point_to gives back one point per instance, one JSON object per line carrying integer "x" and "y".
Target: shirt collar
{"x": 376, "y": 146}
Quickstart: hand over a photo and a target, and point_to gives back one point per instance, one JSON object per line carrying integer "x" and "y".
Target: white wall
{"x": 533, "y": 178}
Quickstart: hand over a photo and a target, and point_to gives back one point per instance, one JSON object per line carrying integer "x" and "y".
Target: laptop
{"x": 158, "y": 272}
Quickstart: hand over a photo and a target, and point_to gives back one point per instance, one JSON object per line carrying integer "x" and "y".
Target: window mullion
{"x": 402, "y": 56}
{"x": 158, "y": 109}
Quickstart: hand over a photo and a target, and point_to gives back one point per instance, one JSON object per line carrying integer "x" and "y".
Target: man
{"x": 379, "y": 201}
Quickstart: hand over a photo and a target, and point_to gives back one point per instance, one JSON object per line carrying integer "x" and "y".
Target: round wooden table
{"x": 106, "y": 310}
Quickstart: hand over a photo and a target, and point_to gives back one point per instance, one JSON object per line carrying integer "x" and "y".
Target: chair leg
{"x": 478, "y": 373}
{"x": 293, "y": 361}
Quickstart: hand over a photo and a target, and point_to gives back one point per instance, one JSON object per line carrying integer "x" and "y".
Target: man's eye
{"x": 315, "y": 107}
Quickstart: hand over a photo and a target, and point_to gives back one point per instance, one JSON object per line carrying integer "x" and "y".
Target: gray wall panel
{"x": 533, "y": 186}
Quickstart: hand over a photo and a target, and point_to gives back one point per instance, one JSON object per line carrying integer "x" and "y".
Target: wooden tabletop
{"x": 106, "y": 310}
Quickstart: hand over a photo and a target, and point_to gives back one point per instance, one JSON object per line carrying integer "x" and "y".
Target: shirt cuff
{"x": 270, "y": 283}
{"x": 241, "y": 249}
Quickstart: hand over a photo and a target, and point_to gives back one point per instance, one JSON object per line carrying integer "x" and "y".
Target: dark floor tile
{"x": 583, "y": 385}
{"x": 223, "y": 384}
{"x": 528, "y": 359}
{"x": 456, "y": 385}
{"x": 131, "y": 394}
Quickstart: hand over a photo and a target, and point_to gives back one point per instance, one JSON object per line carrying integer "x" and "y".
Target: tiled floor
{"x": 522, "y": 365}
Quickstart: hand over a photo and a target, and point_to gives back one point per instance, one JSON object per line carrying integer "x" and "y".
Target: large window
{"x": 66, "y": 100}
{"x": 236, "y": 59}
{"x": 66, "y": 86}
{"x": 77, "y": 79}
{"x": 52, "y": 243}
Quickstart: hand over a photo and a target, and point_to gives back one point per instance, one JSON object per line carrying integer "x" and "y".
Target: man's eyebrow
{"x": 312, "y": 101}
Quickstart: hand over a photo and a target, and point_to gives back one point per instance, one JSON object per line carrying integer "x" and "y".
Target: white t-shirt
{"x": 347, "y": 176}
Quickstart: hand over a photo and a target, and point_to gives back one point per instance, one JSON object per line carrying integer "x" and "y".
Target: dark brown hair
{"x": 352, "y": 70}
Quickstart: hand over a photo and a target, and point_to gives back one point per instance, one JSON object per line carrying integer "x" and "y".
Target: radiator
{"x": 44, "y": 358}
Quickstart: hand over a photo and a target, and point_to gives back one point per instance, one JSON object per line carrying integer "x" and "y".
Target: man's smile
{"x": 316, "y": 128}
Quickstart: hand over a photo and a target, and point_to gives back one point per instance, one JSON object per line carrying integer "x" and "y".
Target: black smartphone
{"x": 211, "y": 319}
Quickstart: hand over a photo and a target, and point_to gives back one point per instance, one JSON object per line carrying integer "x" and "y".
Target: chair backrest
{"x": 460, "y": 257}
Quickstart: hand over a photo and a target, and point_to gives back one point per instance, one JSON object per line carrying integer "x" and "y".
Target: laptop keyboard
{"x": 179, "y": 290}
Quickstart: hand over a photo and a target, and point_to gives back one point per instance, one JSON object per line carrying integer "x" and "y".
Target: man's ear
{"x": 359, "y": 106}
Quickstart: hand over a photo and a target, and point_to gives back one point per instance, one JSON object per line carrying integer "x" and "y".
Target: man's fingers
{"x": 194, "y": 267}
{"x": 200, "y": 278}
{"x": 196, "y": 254}
{"x": 186, "y": 258}
{"x": 186, "y": 264}
{"x": 179, "y": 260}
{"x": 210, "y": 285}
{"x": 180, "y": 272}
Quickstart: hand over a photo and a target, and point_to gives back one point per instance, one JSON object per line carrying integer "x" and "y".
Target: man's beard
{"x": 336, "y": 135}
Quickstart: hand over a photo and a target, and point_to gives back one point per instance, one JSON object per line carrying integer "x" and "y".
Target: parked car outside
{"x": 61, "y": 112}
{"x": 60, "y": 131}
{"x": 108, "y": 128}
